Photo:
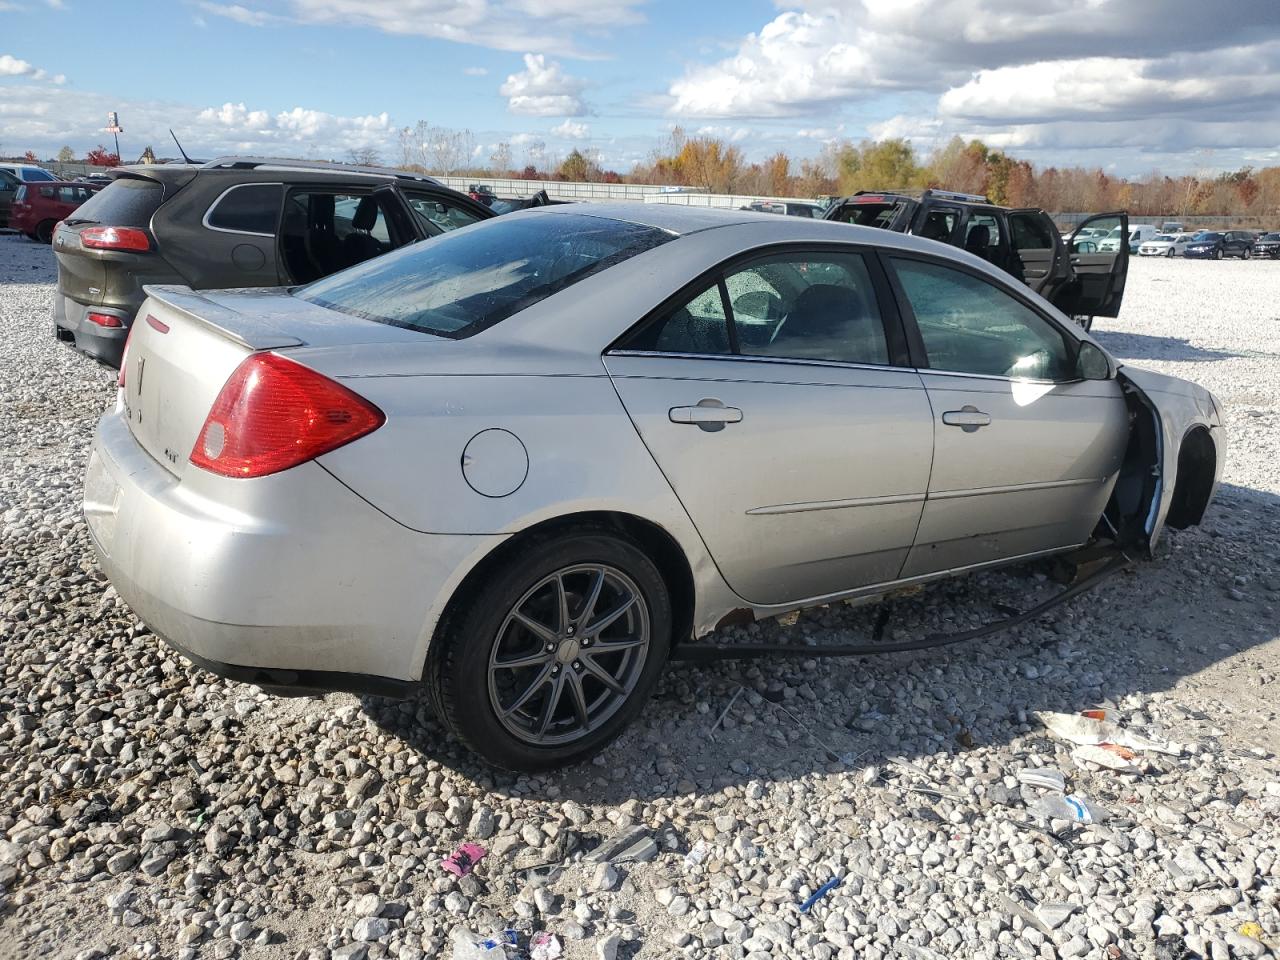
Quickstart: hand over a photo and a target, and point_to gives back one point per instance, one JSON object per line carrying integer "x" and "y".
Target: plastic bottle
{"x": 1070, "y": 806}
{"x": 467, "y": 946}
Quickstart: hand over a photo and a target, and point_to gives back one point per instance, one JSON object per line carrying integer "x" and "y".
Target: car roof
{"x": 681, "y": 220}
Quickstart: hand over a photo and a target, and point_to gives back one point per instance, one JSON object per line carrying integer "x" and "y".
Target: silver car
{"x": 514, "y": 465}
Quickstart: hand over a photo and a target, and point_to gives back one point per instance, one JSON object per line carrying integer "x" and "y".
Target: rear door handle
{"x": 967, "y": 418}
{"x": 709, "y": 414}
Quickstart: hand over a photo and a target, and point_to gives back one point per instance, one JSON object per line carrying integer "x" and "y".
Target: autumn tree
{"x": 99, "y": 156}
{"x": 574, "y": 167}
{"x": 66, "y": 155}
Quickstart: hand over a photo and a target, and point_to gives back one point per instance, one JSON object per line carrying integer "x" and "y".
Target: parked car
{"x": 29, "y": 172}
{"x": 790, "y": 208}
{"x": 1138, "y": 233}
{"x": 37, "y": 207}
{"x": 9, "y": 184}
{"x": 1215, "y": 245}
{"x": 1165, "y": 245}
{"x": 517, "y": 466}
{"x": 511, "y": 204}
{"x": 1172, "y": 226}
{"x": 1267, "y": 245}
{"x": 233, "y": 222}
{"x": 482, "y": 194}
{"x": 1073, "y": 275}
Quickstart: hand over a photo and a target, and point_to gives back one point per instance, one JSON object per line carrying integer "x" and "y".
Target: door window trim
{"x": 891, "y": 319}
{"x": 405, "y": 195}
{"x": 920, "y": 356}
{"x": 204, "y": 221}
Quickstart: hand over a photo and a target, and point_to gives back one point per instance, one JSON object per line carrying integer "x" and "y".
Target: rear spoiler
{"x": 251, "y": 332}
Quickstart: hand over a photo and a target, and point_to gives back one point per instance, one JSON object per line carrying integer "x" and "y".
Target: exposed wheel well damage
{"x": 660, "y": 546}
{"x": 1137, "y": 490}
{"x": 1197, "y": 468}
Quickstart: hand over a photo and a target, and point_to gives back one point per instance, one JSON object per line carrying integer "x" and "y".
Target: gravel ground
{"x": 151, "y": 810}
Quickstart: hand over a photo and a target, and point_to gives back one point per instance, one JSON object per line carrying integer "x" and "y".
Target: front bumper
{"x": 1200, "y": 254}
{"x": 105, "y": 344}
{"x": 287, "y": 581}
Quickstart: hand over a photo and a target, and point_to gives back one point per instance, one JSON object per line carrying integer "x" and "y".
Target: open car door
{"x": 1038, "y": 249}
{"x": 1099, "y": 277}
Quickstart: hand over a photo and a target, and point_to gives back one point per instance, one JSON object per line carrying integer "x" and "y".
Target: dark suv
{"x": 1214, "y": 245}
{"x": 1267, "y": 245}
{"x": 1071, "y": 274}
{"x": 233, "y": 222}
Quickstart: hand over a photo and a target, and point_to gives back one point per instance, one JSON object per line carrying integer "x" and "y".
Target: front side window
{"x": 467, "y": 280}
{"x": 1029, "y": 233}
{"x": 35, "y": 174}
{"x": 969, "y": 325}
{"x": 804, "y": 306}
{"x": 938, "y": 223}
{"x": 876, "y": 213}
{"x": 436, "y": 215}
{"x": 248, "y": 208}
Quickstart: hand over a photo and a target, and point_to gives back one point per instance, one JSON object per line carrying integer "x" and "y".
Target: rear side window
{"x": 464, "y": 281}
{"x": 126, "y": 202}
{"x": 247, "y": 208}
{"x": 802, "y": 306}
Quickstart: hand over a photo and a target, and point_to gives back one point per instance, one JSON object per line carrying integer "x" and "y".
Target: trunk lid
{"x": 185, "y": 345}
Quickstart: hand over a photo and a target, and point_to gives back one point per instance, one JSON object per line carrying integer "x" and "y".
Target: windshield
{"x": 460, "y": 283}
{"x": 1210, "y": 237}
{"x": 35, "y": 174}
{"x": 1271, "y": 236}
{"x": 1164, "y": 236}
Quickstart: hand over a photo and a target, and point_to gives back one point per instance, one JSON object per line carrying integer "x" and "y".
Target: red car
{"x": 37, "y": 207}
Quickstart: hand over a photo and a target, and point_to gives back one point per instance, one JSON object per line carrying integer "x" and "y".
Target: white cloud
{"x": 499, "y": 24}
{"x": 476, "y": 72}
{"x": 736, "y": 134}
{"x": 572, "y": 130}
{"x": 11, "y": 66}
{"x": 43, "y": 118}
{"x": 238, "y": 13}
{"x": 543, "y": 89}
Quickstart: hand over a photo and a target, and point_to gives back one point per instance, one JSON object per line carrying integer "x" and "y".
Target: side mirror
{"x": 440, "y": 209}
{"x": 1091, "y": 363}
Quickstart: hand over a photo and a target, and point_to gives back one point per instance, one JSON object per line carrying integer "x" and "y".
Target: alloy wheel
{"x": 569, "y": 654}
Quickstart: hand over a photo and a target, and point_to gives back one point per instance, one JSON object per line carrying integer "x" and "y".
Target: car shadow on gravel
{"x": 1209, "y": 594}
{"x": 1141, "y": 346}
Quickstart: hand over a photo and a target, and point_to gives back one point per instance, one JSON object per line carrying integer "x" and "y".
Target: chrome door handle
{"x": 967, "y": 418}
{"x": 710, "y": 414}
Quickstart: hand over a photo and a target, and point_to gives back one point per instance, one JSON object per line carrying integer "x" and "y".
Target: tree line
{"x": 842, "y": 167}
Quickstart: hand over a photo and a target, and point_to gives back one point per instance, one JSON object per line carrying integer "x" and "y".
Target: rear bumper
{"x": 104, "y": 344}
{"x": 289, "y": 581}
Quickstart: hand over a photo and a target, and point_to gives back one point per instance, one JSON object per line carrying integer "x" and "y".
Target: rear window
{"x": 127, "y": 202}
{"x": 459, "y": 283}
{"x": 35, "y": 174}
{"x": 869, "y": 214}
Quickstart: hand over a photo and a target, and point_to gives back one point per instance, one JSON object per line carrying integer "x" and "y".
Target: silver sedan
{"x": 514, "y": 465}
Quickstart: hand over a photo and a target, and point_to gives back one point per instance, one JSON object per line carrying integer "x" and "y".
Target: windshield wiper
{"x": 72, "y": 221}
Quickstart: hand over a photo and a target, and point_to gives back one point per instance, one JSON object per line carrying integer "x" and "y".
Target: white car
{"x": 1165, "y": 245}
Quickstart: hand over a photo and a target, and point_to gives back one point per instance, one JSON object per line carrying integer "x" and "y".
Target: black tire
{"x": 458, "y": 668}
{"x": 1217, "y": 254}
{"x": 44, "y": 231}
{"x": 1170, "y": 253}
{"x": 1247, "y": 254}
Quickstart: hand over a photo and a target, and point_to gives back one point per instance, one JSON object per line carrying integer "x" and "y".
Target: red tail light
{"x": 103, "y": 319}
{"x": 115, "y": 238}
{"x": 273, "y": 414}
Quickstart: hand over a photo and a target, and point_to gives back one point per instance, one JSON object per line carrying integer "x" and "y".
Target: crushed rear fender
{"x": 1164, "y": 412}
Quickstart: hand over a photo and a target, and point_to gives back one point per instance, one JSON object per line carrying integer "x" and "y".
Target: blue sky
{"x": 1124, "y": 84}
